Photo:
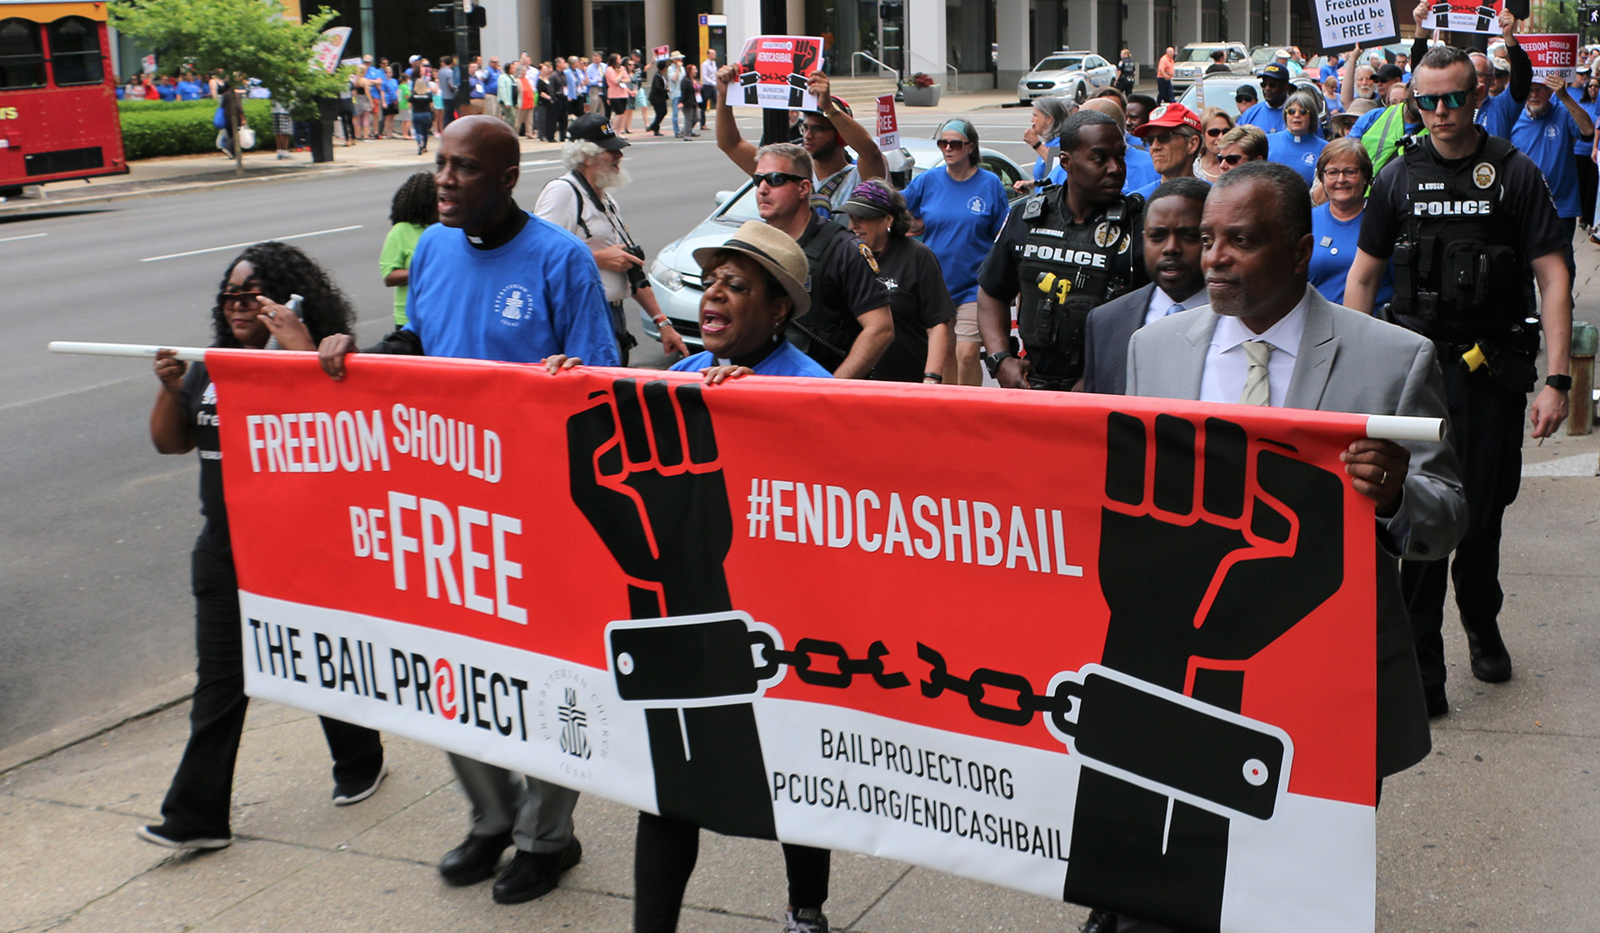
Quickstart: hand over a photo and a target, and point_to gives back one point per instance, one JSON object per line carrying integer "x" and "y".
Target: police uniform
{"x": 1061, "y": 270}
{"x": 1461, "y": 233}
{"x": 842, "y": 279}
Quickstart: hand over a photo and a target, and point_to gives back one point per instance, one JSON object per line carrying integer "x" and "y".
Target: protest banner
{"x": 773, "y": 72}
{"x": 1116, "y": 650}
{"x": 1342, "y": 24}
{"x": 329, "y": 46}
{"x": 888, "y": 125}
{"x": 661, "y": 52}
{"x": 1464, "y": 16}
{"x": 1551, "y": 54}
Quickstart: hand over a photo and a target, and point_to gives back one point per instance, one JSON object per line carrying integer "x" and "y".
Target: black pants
{"x": 1164, "y": 91}
{"x": 660, "y": 107}
{"x": 664, "y": 854}
{"x": 1486, "y": 421}
{"x": 197, "y": 803}
{"x": 541, "y": 122}
{"x": 1588, "y": 181}
{"x": 559, "y": 108}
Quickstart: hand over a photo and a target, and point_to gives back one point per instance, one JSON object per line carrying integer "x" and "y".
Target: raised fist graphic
{"x": 1220, "y": 578}
{"x": 644, "y": 473}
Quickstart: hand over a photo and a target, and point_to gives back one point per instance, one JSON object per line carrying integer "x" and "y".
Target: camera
{"x": 636, "y": 277}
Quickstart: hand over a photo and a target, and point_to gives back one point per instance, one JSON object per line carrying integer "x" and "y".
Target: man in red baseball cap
{"x": 1172, "y": 135}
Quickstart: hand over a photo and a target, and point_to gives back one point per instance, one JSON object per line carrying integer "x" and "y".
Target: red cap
{"x": 1168, "y": 116}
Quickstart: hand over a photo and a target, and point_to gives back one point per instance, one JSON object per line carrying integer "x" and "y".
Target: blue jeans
{"x": 673, "y": 106}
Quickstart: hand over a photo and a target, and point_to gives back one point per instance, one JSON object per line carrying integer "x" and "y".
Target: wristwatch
{"x": 1559, "y": 383}
{"x": 994, "y": 360}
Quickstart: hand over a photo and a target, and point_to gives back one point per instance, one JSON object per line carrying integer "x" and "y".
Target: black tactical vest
{"x": 1458, "y": 273}
{"x": 1065, "y": 271}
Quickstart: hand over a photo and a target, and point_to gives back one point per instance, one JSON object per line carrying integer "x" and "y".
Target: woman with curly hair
{"x": 414, "y": 209}
{"x": 924, "y": 312}
{"x": 249, "y": 312}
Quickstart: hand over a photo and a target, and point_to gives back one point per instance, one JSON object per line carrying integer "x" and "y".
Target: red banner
{"x": 773, "y": 72}
{"x": 1464, "y": 16}
{"x": 976, "y": 630}
{"x": 1551, "y": 54}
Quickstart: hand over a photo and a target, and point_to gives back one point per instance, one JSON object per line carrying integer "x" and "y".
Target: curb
{"x": 50, "y": 204}
{"x": 81, "y": 730}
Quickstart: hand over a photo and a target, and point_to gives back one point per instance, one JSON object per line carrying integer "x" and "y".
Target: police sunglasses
{"x": 1454, "y": 100}
{"x": 1232, "y": 158}
{"x": 776, "y": 179}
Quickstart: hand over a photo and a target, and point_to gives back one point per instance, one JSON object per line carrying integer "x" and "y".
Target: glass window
{"x": 75, "y": 51}
{"x": 21, "y": 56}
{"x": 1058, "y": 64}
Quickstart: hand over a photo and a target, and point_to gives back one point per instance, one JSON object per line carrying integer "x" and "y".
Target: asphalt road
{"x": 94, "y": 591}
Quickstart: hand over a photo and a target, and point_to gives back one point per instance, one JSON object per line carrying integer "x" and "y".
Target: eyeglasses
{"x": 239, "y": 297}
{"x": 1165, "y": 137}
{"x": 1232, "y": 158}
{"x": 1341, "y": 172}
{"x": 1454, "y": 100}
{"x": 950, "y": 143}
{"x": 1296, "y": 112}
{"x": 776, "y": 179}
{"x": 1216, "y": 131}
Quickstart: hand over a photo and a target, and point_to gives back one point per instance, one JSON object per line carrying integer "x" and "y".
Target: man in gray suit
{"x": 1267, "y": 338}
{"x": 1172, "y": 259}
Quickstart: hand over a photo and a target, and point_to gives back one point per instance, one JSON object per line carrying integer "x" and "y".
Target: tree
{"x": 1556, "y": 18}
{"x": 244, "y": 38}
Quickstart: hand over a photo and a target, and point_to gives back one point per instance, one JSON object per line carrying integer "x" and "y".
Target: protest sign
{"x": 329, "y": 46}
{"x": 1464, "y": 16}
{"x": 773, "y": 72}
{"x": 1115, "y": 650}
{"x": 1551, "y": 54}
{"x": 888, "y": 125}
{"x": 1342, "y": 24}
{"x": 661, "y": 52}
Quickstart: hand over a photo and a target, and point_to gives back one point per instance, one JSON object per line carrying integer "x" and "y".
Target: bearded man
{"x": 580, "y": 202}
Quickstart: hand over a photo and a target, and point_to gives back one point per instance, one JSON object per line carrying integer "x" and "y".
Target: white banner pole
{"x": 188, "y": 354}
{"x": 1404, "y": 428}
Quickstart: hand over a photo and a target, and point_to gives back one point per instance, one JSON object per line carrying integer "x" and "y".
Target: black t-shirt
{"x": 918, "y": 299}
{"x": 1523, "y": 188}
{"x": 199, "y": 399}
{"x": 848, "y": 281}
{"x": 998, "y": 276}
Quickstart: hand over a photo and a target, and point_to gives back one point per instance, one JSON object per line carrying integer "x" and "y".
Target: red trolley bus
{"x": 58, "y": 101}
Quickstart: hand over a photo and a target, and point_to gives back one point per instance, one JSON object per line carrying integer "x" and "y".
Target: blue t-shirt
{"x": 1264, "y": 116}
{"x": 1298, "y": 152}
{"x": 1548, "y": 140}
{"x": 1141, "y": 172}
{"x": 167, "y": 91}
{"x": 784, "y": 361}
{"x": 1146, "y": 191}
{"x": 960, "y": 221}
{"x": 1583, "y": 147}
{"x": 1333, "y": 249}
{"x": 190, "y": 90}
{"x": 1498, "y": 114}
{"x": 534, "y": 297}
{"x": 1133, "y": 141}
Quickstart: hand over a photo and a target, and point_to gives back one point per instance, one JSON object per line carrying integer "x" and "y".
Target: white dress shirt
{"x": 1227, "y": 366}
{"x": 1161, "y": 304}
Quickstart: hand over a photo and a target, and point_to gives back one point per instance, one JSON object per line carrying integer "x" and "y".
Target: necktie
{"x": 1256, "y": 389}
{"x": 1175, "y": 309}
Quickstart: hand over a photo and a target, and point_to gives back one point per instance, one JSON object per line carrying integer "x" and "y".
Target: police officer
{"x": 1066, "y": 250}
{"x": 1460, "y": 211}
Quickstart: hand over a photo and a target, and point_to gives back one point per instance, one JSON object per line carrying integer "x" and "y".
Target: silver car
{"x": 1193, "y": 60}
{"x": 1066, "y": 74}
{"x": 675, "y": 275}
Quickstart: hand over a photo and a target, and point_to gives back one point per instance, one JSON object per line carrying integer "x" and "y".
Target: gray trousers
{"x": 538, "y": 813}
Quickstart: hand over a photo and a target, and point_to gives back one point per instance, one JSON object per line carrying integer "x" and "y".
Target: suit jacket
{"x": 1351, "y": 362}
{"x": 1105, "y": 340}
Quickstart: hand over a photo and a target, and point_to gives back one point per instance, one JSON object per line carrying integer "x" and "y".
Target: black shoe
{"x": 346, "y": 794}
{"x": 1491, "y": 662}
{"x": 474, "y": 859}
{"x": 170, "y": 838}
{"x": 1438, "y": 703}
{"x": 533, "y": 875}
{"x": 1099, "y": 922}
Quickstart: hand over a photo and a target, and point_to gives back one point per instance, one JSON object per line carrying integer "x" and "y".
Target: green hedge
{"x": 157, "y": 128}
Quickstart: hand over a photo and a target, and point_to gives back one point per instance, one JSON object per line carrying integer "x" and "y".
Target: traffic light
{"x": 1591, "y": 15}
{"x": 476, "y": 17}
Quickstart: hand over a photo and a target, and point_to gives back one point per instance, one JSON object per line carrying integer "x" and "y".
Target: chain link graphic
{"x": 806, "y": 648}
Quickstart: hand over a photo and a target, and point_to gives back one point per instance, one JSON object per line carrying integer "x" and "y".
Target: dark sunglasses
{"x": 1232, "y": 158}
{"x": 1454, "y": 100}
{"x": 776, "y": 179}
{"x": 1216, "y": 131}
{"x": 246, "y": 298}
{"x": 1165, "y": 137}
{"x": 1297, "y": 112}
{"x": 950, "y": 143}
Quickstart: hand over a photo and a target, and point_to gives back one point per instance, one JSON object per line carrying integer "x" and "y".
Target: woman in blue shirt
{"x": 1345, "y": 170}
{"x": 960, "y": 209}
{"x": 1583, "y": 153}
{"x": 1300, "y": 142}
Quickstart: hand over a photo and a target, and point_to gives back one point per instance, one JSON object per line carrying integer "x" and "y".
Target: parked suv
{"x": 1193, "y": 60}
{"x": 1066, "y": 74}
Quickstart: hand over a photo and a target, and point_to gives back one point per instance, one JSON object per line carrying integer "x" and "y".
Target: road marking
{"x": 26, "y": 236}
{"x": 218, "y": 249}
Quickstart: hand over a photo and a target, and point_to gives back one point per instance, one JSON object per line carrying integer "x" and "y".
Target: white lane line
{"x": 540, "y": 163}
{"x": 218, "y": 249}
{"x": 27, "y": 236}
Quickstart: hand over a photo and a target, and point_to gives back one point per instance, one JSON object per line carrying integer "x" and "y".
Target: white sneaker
{"x": 805, "y": 920}
{"x": 345, "y": 795}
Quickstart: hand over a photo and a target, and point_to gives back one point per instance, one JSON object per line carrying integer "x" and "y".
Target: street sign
{"x": 888, "y": 125}
{"x": 1591, "y": 16}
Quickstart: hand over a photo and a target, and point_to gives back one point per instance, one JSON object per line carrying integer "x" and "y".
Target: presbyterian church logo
{"x": 574, "y": 717}
{"x": 513, "y": 305}
{"x": 574, "y": 726}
